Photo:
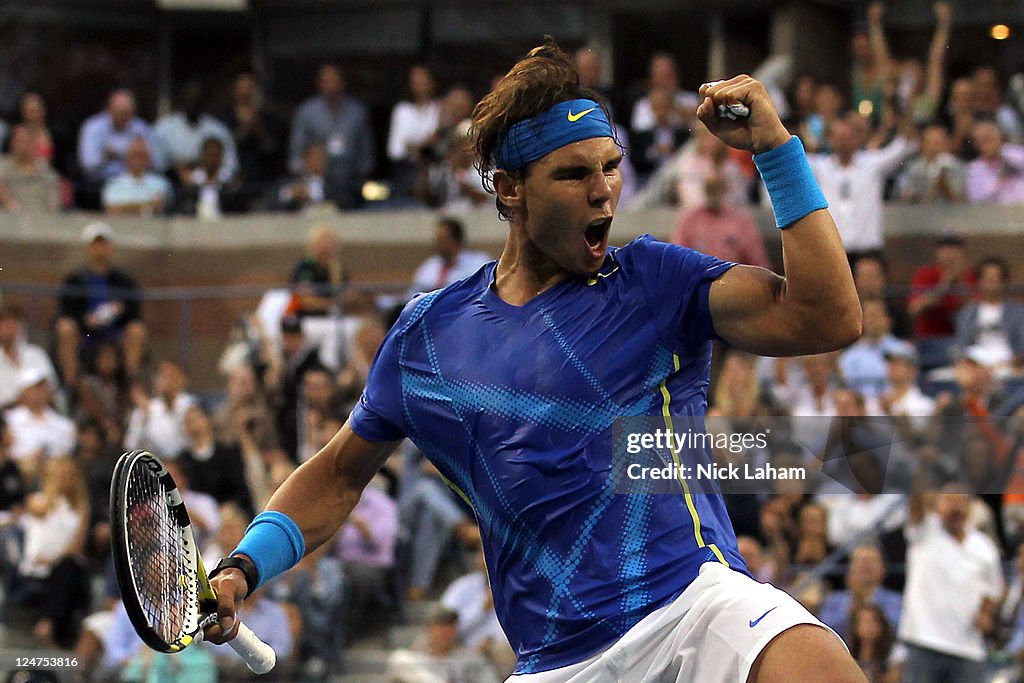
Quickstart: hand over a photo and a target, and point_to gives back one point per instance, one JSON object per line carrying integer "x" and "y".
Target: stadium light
{"x": 1000, "y": 31}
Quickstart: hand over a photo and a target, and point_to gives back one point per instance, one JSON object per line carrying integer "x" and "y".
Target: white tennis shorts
{"x": 712, "y": 633}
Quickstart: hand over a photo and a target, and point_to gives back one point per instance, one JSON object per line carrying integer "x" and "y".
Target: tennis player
{"x": 509, "y": 381}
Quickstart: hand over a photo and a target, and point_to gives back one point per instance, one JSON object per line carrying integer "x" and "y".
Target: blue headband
{"x": 566, "y": 122}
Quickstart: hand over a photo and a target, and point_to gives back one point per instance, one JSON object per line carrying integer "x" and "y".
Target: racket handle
{"x": 258, "y": 656}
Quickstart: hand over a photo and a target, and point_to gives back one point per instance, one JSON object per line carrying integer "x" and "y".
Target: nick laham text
{"x": 709, "y": 472}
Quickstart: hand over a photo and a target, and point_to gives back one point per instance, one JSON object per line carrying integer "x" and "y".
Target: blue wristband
{"x": 274, "y": 543}
{"x": 792, "y": 188}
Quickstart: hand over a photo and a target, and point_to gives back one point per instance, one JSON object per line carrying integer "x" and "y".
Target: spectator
{"x": 450, "y": 262}
{"x": 954, "y": 580}
{"x": 863, "y": 364}
{"x": 864, "y": 586}
{"x": 157, "y": 424}
{"x": 217, "y": 468}
{"x": 652, "y": 147}
{"x": 366, "y": 547}
{"x": 871, "y": 64}
{"x": 591, "y": 72}
{"x": 210, "y": 188}
{"x": 102, "y": 393}
{"x": 992, "y": 327}
{"x": 935, "y": 175}
{"x": 871, "y": 277}
{"x": 27, "y": 183}
{"x": 761, "y": 566}
{"x": 203, "y": 511}
{"x": 919, "y": 90}
{"x": 246, "y": 409}
{"x": 182, "y": 133}
{"x": 307, "y": 189}
{"x": 96, "y": 456}
{"x": 736, "y": 390}
{"x": 828, "y": 108}
{"x": 318, "y": 402}
{"x": 51, "y": 573}
{"x": 191, "y": 665}
{"x": 904, "y": 399}
{"x": 439, "y": 656}
{"x": 871, "y": 643}
{"x": 104, "y": 139}
{"x": 959, "y": 115}
{"x": 938, "y": 292}
{"x": 663, "y": 74}
{"x": 39, "y": 432}
{"x": 453, "y": 184}
{"x": 13, "y": 486}
{"x": 997, "y": 175}
{"x": 266, "y": 616}
{"x": 431, "y": 520}
{"x": 318, "y": 275}
{"x": 33, "y": 116}
{"x": 720, "y": 229}
{"x": 256, "y": 132}
{"x": 339, "y": 123}
{"x": 368, "y": 337}
{"x": 989, "y": 102}
{"x": 853, "y": 180}
{"x": 812, "y": 397}
{"x": 317, "y": 587}
{"x": 98, "y": 303}
{"x": 18, "y": 355}
{"x": 470, "y": 597}
{"x": 811, "y": 545}
{"x": 413, "y": 122}
{"x": 298, "y": 356}
{"x": 137, "y": 191}
{"x": 705, "y": 157}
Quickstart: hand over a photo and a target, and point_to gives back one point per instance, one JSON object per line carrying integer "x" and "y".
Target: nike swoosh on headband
{"x": 573, "y": 118}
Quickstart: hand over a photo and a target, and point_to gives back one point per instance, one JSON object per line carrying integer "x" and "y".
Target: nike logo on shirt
{"x": 755, "y": 622}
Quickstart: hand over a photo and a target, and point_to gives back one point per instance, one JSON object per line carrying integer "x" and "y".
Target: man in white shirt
{"x": 181, "y": 134}
{"x": 37, "y": 430}
{"x": 158, "y": 423}
{"x": 17, "y": 355}
{"x": 853, "y": 180}
{"x": 991, "y": 328}
{"x": 450, "y": 262}
{"x": 904, "y": 399}
{"x": 954, "y": 583}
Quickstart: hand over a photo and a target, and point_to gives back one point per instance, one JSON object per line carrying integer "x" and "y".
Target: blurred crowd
{"x": 894, "y": 128}
{"x": 903, "y": 538}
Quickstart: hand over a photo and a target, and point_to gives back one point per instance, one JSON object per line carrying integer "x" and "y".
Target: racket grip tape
{"x": 258, "y": 656}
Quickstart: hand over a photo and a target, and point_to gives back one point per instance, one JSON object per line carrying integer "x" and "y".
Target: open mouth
{"x": 597, "y": 232}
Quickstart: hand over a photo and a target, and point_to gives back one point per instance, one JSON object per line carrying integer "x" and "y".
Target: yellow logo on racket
{"x": 573, "y": 118}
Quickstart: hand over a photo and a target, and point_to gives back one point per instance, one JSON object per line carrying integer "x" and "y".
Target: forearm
{"x": 321, "y": 493}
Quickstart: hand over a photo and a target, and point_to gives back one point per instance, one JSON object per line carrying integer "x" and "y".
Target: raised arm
{"x": 876, "y": 37}
{"x": 934, "y": 70}
{"x": 814, "y": 308}
{"x": 317, "y": 497}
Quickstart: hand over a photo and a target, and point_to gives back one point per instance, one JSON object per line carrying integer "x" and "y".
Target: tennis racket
{"x": 160, "y": 573}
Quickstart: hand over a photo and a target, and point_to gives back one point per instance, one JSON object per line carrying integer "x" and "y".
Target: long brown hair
{"x": 538, "y": 81}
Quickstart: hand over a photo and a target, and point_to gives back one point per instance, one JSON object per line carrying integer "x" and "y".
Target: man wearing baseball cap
{"x": 98, "y": 303}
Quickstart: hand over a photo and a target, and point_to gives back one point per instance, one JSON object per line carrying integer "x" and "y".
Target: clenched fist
{"x": 758, "y": 132}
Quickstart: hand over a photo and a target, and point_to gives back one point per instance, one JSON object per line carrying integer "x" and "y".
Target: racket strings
{"x": 158, "y": 561}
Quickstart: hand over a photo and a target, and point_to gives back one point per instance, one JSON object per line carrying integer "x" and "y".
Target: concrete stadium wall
{"x": 378, "y": 247}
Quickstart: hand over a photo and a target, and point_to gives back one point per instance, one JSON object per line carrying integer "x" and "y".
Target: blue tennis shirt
{"x": 514, "y": 405}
